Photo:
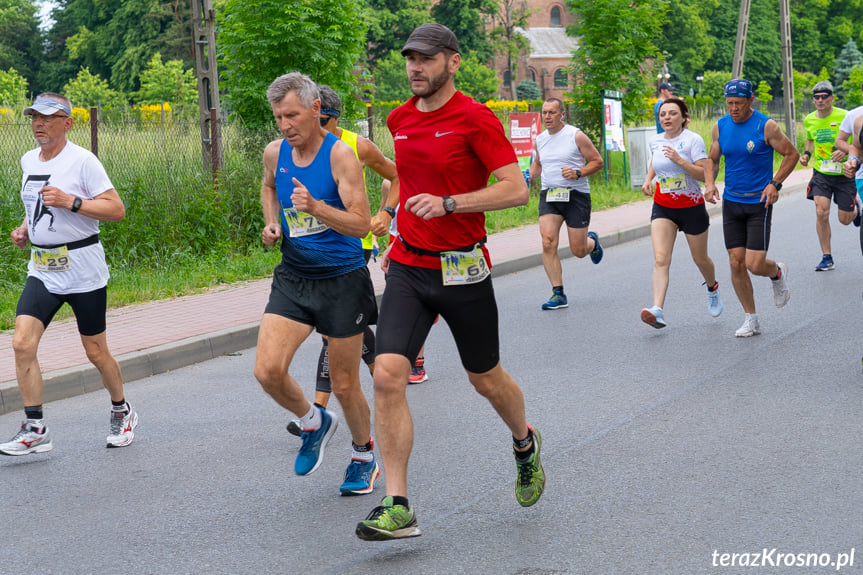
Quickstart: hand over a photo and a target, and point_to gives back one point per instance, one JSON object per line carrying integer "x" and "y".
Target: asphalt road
{"x": 663, "y": 449}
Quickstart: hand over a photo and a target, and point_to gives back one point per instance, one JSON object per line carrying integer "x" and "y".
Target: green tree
{"x": 115, "y": 39}
{"x": 848, "y": 58}
{"x": 616, "y": 39}
{"x": 390, "y": 22}
{"x": 167, "y": 82}
{"x": 259, "y": 41}
{"x": 686, "y": 37}
{"x": 504, "y": 37}
{"x": 763, "y": 56}
{"x": 476, "y": 79}
{"x": 465, "y": 19}
{"x": 391, "y": 79}
{"x": 13, "y": 87}
{"x": 713, "y": 85}
{"x": 88, "y": 89}
{"x": 528, "y": 90}
{"x": 853, "y": 87}
{"x": 762, "y": 92}
{"x": 20, "y": 37}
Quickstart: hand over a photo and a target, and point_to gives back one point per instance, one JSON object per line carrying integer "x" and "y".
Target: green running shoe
{"x": 530, "y": 482}
{"x": 388, "y": 521}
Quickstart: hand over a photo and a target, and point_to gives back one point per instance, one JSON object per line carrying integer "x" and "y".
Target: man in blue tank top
{"x": 747, "y": 138}
{"x": 314, "y": 200}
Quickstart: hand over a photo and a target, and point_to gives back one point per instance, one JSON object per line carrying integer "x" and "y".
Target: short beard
{"x": 435, "y": 84}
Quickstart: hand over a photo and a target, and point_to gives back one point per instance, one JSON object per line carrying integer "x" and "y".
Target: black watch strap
{"x": 389, "y": 210}
{"x": 76, "y": 204}
{"x": 775, "y": 184}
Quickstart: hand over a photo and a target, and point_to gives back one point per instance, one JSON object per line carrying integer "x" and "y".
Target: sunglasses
{"x": 821, "y": 96}
{"x": 323, "y": 120}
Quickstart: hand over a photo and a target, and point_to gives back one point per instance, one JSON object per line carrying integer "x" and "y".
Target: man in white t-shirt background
{"x": 564, "y": 156}
{"x": 66, "y": 193}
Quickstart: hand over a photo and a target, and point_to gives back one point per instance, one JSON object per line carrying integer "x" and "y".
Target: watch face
{"x": 449, "y": 204}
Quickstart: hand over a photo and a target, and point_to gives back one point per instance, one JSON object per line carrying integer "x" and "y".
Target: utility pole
{"x": 203, "y": 19}
{"x": 740, "y": 43}
{"x": 787, "y": 72}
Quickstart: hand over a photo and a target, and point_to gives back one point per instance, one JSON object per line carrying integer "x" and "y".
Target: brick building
{"x": 550, "y": 51}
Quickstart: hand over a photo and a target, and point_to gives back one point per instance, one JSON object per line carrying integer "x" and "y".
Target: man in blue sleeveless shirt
{"x": 314, "y": 200}
{"x": 747, "y": 138}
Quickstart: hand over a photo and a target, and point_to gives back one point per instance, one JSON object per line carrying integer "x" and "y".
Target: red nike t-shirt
{"x": 447, "y": 152}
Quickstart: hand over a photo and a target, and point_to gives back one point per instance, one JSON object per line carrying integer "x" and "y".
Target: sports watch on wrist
{"x": 578, "y": 174}
{"x": 76, "y": 204}
{"x": 448, "y": 205}
{"x": 775, "y": 184}
{"x": 390, "y": 211}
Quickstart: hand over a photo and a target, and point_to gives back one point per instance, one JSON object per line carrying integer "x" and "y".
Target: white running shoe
{"x": 652, "y": 316}
{"x": 122, "y": 427}
{"x": 714, "y": 302}
{"x": 749, "y": 328}
{"x": 33, "y": 437}
{"x": 781, "y": 293}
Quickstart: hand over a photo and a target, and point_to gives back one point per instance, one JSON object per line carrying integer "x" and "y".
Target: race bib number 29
{"x": 462, "y": 268}
{"x": 51, "y": 260}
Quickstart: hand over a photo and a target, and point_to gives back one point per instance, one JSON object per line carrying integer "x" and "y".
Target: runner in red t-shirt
{"x": 446, "y": 147}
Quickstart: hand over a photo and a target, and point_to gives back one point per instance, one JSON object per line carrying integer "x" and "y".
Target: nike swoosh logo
{"x": 439, "y": 134}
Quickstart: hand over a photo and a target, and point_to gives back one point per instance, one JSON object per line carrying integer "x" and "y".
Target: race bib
{"x": 51, "y": 259}
{"x": 462, "y": 268}
{"x": 672, "y": 184}
{"x": 557, "y": 195}
{"x": 831, "y": 167}
{"x": 302, "y": 224}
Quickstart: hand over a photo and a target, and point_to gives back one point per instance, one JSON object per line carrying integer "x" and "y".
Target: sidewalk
{"x": 159, "y": 336}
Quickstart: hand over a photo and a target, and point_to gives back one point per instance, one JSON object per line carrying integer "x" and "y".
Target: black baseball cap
{"x": 429, "y": 39}
{"x": 666, "y": 86}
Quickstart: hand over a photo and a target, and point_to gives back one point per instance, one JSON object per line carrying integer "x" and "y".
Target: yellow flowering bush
{"x": 81, "y": 115}
{"x": 8, "y": 116}
{"x": 151, "y": 114}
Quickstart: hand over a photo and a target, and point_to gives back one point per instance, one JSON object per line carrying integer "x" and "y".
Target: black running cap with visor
{"x": 429, "y": 39}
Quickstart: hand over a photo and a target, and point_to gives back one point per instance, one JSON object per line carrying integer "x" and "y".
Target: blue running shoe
{"x": 557, "y": 301}
{"x": 826, "y": 264}
{"x": 360, "y": 477}
{"x": 596, "y": 254}
{"x": 314, "y": 442}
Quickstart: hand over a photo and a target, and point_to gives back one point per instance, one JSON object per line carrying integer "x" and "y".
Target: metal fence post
{"x": 214, "y": 145}
{"x": 94, "y": 130}
{"x": 371, "y": 121}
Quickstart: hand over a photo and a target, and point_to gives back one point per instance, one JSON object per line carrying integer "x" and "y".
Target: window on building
{"x": 533, "y": 74}
{"x": 555, "y": 16}
{"x": 561, "y": 79}
{"x": 507, "y": 79}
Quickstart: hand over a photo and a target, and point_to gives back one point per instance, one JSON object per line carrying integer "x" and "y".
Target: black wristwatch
{"x": 390, "y": 211}
{"x": 578, "y": 174}
{"x": 448, "y": 205}
{"x": 775, "y": 184}
{"x": 76, "y": 204}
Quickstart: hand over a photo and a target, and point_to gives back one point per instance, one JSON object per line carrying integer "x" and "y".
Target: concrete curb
{"x": 69, "y": 382}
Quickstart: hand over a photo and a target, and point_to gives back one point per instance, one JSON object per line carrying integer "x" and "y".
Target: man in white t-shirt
{"x": 564, "y": 156}
{"x": 66, "y": 193}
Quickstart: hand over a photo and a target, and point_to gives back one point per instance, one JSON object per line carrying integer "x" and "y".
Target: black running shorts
{"x": 413, "y": 298}
{"x": 88, "y": 307}
{"x": 746, "y": 225}
{"x": 337, "y": 307}
{"x": 692, "y": 220}
{"x": 841, "y": 189}
{"x": 575, "y": 212}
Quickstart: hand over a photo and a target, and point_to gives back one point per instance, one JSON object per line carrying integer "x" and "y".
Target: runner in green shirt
{"x": 827, "y": 181}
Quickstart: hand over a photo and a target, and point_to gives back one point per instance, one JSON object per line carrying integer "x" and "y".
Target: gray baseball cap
{"x": 47, "y": 107}
{"x": 823, "y": 86}
{"x": 429, "y": 39}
